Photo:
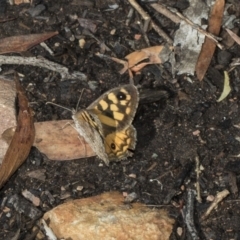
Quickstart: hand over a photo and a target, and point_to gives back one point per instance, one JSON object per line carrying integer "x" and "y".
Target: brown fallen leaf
{"x": 107, "y": 217}
{"x": 209, "y": 46}
{"x": 22, "y": 43}
{"x": 22, "y": 140}
{"x": 58, "y": 140}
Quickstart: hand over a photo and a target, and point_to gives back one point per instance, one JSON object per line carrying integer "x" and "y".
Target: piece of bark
{"x": 189, "y": 40}
{"x": 7, "y": 109}
{"x": 209, "y": 46}
{"x": 22, "y": 43}
{"x": 106, "y": 217}
{"x": 22, "y": 140}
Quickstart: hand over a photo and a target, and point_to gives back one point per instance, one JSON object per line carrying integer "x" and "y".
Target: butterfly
{"x": 106, "y": 124}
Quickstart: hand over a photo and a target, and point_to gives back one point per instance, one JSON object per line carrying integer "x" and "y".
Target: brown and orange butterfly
{"x": 106, "y": 124}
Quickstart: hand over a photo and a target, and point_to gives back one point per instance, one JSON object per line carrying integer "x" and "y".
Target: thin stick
{"x": 43, "y": 63}
{"x": 220, "y": 196}
{"x": 197, "y": 169}
{"x": 164, "y": 11}
{"x": 57, "y": 105}
{"x": 147, "y": 20}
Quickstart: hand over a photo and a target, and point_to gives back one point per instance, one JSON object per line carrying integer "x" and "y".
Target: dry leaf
{"x": 153, "y": 55}
{"x": 226, "y": 87}
{"x": 209, "y": 46}
{"x": 234, "y": 36}
{"x": 22, "y": 43}
{"x": 7, "y": 110}
{"x": 58, "y": 140}
{"x": 106, "y": 217}
{"x": 22, "y": 140}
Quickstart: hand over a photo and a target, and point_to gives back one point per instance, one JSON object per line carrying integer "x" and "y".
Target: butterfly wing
{"x": 89, "y": 127}
{"x": 116, "y": 108}
{"x": 120, "y": 145}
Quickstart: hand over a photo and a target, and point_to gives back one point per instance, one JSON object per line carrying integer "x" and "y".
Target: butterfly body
{"x": 106, "y": 124}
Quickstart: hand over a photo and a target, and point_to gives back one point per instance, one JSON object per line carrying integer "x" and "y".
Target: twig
{"x": 129, "y": 16}
{"x": 43, "y": 63}
{"x": 199, "y": 199}
{"x": 188, "y": 215}
{"x": 147, "y": 20}
{"x": 217, "y": 200}
{"x": 164, "y": 11}
{"x": 176, "y": 17}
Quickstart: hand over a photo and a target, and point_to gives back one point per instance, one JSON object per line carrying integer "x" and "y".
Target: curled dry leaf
{"x": 22, "y": 140}
{"x": 226, "y": 87}
{"x": 22, "y": 43}
{"x": 139, "y": 59}
{"x": 7, "y": 110}
{"x": 209, "y": 46}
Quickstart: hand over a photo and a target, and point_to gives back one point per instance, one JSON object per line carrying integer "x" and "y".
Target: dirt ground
{"x": 172, "y": 131}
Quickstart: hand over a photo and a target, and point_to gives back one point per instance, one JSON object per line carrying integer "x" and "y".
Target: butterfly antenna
{"x": 79, "y": 99}
{"x": 58, "y": 106}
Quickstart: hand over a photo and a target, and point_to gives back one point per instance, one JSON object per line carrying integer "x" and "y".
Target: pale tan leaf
{"x": 58, "y": 140}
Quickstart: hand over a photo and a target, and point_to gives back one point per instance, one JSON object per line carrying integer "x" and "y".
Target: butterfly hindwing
{"x": 119, "y": 145}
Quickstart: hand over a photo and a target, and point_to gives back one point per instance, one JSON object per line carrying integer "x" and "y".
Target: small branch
{"x": 164, "y": 11}
{"x": 217, "y": 200}
{"x": 43, "y": 63}
{"x": 147, "y": 20}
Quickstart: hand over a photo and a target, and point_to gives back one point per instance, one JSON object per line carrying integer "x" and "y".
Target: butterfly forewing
{"x": 116, "y": 108}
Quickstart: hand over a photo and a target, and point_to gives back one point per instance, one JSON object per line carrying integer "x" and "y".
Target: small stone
{"x": 106, "y": 217}
{"x": 35, "y": 11}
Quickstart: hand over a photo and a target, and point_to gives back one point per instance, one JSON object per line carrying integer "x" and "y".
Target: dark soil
{"x": 172, "y": 131}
